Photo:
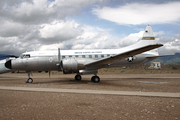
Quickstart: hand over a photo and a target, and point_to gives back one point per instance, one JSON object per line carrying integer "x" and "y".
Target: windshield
{"x": 24, "y": 56}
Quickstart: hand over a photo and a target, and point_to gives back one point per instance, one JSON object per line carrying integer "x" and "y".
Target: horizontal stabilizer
{"x": 159, "y": 56}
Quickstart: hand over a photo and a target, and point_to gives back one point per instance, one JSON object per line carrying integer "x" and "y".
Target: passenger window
{"x": 76, "y": 56}
{"x": 70, "y": 56}
{"x": 63, "y": 57}
{"x": 83, "y": 56}
{"x": 90, "y": 56}
{"x": 96, "y": 56}
{"x": 102, "y": 56}
{"x": 108, "y": 55}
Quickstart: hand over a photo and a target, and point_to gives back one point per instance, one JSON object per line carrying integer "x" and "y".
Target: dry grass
{"x": 141, "y": 69}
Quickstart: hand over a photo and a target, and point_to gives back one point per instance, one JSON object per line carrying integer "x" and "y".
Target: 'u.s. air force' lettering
{"x": 87, "y": 52}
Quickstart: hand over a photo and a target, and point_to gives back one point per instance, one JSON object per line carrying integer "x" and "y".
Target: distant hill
{"x": 4, "y": 56}
{"x": 175, "y": 59}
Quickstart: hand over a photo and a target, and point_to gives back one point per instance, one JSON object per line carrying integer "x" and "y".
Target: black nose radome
{"x": 8, "y": 64}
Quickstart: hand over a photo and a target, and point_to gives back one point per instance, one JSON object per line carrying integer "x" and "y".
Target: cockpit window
{"x": 25, "y": 56}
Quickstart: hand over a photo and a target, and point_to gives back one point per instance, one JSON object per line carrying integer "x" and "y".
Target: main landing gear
{"x": 29, "y": 80}
{"x": 94, "y": 79}
{"x": 78, "y": 77}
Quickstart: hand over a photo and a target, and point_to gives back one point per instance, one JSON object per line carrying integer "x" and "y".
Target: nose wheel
{"x": 30, "y": 80}
{"x": 95, "y": 79}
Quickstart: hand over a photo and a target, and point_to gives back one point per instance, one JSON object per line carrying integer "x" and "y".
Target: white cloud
{"x": 78, "y": 46}
{"x": 36, "y": 24}
{"x": 171, "y": 45}
{"x": 58, "y": 31}
{"x": 11, "y": 29}
{"x": 131, "y": 39}
{"x": 42, "y": 25}
{"x": 91, "y": 38}
{"x": 51, "y": 47}
{"x": 42, "y": 11}
{"x": 137, "y": 13}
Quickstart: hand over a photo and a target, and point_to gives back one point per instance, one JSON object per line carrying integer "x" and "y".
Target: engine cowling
{"x": 71, "y": 65}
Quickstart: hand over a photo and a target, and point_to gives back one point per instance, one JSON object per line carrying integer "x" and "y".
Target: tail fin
{"x": 148, "y": 33}
{"x": 148, "y": 39}
{"x": 149, "y": 36}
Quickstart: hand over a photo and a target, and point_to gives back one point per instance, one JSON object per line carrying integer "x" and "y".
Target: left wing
{"x": 115, "y": 58}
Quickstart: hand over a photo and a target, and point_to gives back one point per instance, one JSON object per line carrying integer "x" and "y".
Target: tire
{"x": 95, "y": 79}
{"x": 30, "y": 80}
{"x": 92, "y": 79}
{"x": 78, "y": 77}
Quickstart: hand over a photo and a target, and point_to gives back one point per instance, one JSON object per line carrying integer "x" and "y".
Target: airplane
{"x": 83, "y": 62}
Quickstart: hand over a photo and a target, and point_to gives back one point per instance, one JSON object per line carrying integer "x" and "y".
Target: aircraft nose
{"x": 8, "y": 64}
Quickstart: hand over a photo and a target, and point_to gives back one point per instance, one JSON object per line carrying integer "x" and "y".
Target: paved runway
{"x": 127, "y": 93}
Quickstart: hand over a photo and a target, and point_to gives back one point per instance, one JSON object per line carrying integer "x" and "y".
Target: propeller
{"x": 59, "y": 60}
{"x": 59, "y": 64}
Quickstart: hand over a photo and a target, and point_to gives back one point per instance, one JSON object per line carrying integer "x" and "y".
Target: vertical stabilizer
{"x": 148, "y": 39}
{"x": 148, "y": 33}
{"x": 149, "y": 36}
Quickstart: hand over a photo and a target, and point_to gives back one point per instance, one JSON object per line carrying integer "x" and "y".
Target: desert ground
{"x": 74, "y": 106}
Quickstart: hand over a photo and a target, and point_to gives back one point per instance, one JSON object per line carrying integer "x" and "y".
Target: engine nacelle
{"x": 71, "y": 65}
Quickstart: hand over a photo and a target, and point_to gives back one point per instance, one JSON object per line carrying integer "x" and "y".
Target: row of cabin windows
{"x": 77, "y": 56}
{"x": 86, "y": 56}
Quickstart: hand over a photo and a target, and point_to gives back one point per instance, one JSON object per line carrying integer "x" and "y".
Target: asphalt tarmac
{"x": 129, "y": 96}
{"x": 128, "y": 93}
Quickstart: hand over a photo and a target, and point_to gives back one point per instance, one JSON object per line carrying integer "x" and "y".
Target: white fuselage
{"x": 48, "y": 60}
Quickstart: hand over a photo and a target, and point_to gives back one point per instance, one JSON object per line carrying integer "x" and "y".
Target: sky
{"x": 28, "y": 25}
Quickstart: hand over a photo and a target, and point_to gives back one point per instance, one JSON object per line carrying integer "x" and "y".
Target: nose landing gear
{"x": 29, "y": 80}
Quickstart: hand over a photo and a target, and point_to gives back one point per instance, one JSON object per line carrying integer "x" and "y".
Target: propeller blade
{"x": 59, "y": 60}
{"x": 59, "y": 55}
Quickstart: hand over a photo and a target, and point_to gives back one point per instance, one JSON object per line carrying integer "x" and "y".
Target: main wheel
{"x": 30, "y": 80}
{"x": 78, "y": 77}
{"x": 95, "y": 79}
{"x": 92, "y": 79}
